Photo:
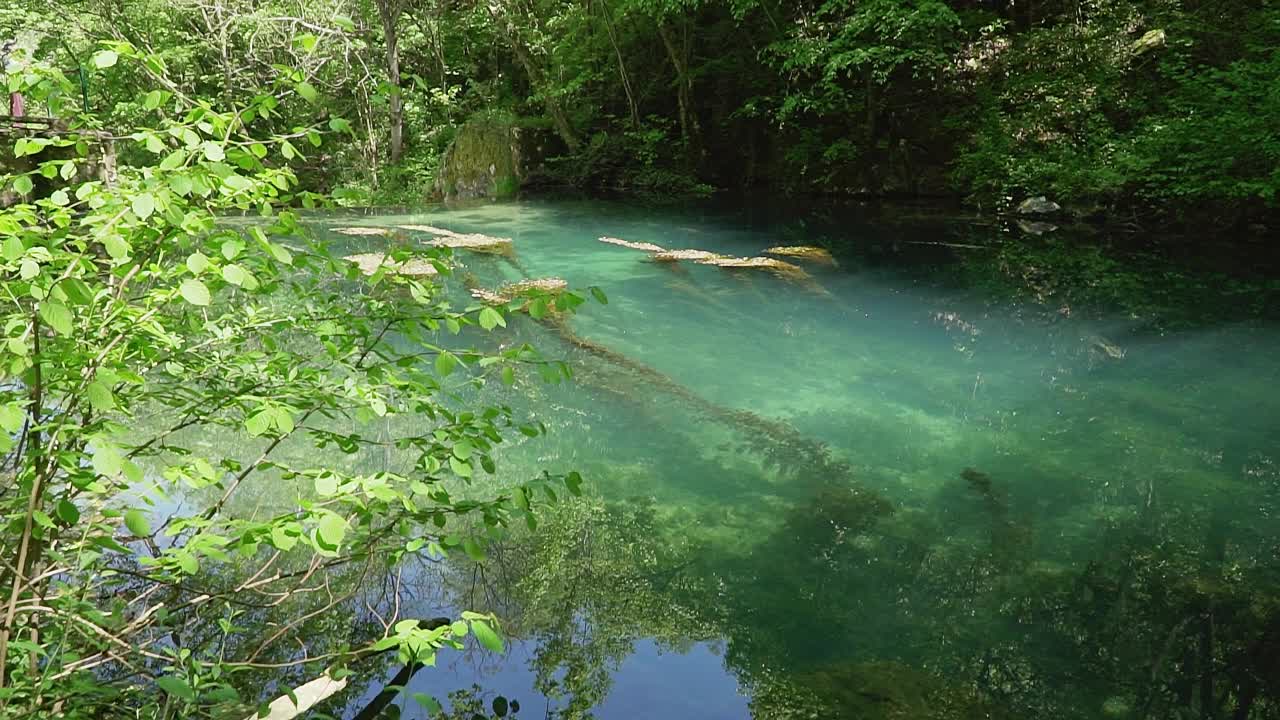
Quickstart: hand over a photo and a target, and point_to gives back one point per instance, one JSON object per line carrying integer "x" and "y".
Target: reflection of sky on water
{"x": 651, "y": 682}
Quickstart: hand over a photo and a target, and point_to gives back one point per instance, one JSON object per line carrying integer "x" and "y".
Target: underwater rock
{"x": 369, "y": 263}
{"x": 803, "y": 252}
{"x": 647, "y": 247}
{"x": 362, "y": 231}
{"x": 483, "y": 161}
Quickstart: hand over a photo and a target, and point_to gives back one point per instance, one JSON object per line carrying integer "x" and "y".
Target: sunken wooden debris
{"x": 362, "y": 231}
{"x": 802, "y": 252}
{"x": 704, "y": 257}
{"x": 474, "y": 242}
{"x": 370, "y": 263}
{"x": 513, "y": 291}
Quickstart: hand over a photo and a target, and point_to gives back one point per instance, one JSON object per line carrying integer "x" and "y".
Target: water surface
{"x": 933, "y": 480}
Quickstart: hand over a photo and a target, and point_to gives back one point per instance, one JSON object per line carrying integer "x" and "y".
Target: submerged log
{"x": 475, "y": 242}
{"x": 370, "y": 263}
{"x": 647, "y": 247}
{"x": 781, "y": 445}
{"x": 688, "y": 254}
{"x": 362, "y": 231}
{"x": 803, "y": 252}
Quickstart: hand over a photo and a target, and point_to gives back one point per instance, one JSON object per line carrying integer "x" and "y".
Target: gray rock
{"x": 1039, "y": 205}
{"x": 484, "y": 161}
{"x": 1151, "y": 40}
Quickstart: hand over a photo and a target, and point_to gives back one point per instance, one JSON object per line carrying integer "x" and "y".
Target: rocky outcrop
{"x": 1039, "y": 205}
{"x": 1150, "y": 40}
{"x": 482, "y": 162}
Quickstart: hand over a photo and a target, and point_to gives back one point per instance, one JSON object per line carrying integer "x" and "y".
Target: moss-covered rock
{"x": 483, "y": 161}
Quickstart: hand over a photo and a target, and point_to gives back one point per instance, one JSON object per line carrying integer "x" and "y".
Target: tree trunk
{"x": 679, "y": 56}
{"x": 622, "y": 66}
{"x": 389, "y": 12}
{"x": 536, "y": 77}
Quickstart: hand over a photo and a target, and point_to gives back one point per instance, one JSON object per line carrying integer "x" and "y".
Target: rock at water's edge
{"x": 1039, "y": 205}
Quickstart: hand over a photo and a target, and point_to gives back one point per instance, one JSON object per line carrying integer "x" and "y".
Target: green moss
{"x": 483, "y": 161}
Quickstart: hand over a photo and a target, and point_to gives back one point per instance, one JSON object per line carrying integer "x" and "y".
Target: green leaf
{"x": 13, "y": 248}
{"x": 259, "y": 422}
{"x": 60, "y": 198}
{"x": 326, "y": 485}
{"x": 67, "y": 512}
{"x": 12, "y": 417}
{"x": 188, "y": 563}
{"x": 176, "y": 687}
{"x": 173, "y": 161}
{"x": 107, "y": 461}
{"x": 490, "y": 318}
{"x": 105, "y": 59}
{"x": 57, "y": 316}
{"x": 22, "y": 184}
{"x": 573, "y": 481}
{"x": 213, "y": 151}
{"x": 445, "y": 363}
{"x": 460, "y": 467}
{"x": 117, "y": 247}
{"x": 194, "y": 292}
{"x": 487, "y": 636}
{"x": 599, "y": 295}
{"x": 137, "y": 523}
{"x": 144, "y": 205}
{"x": 307, "y": 91}
{"x": 197, "y": 262}
{"x": 462, "y": 450}
{"x": 332, "y": 529}
{"x": 234, "y": 274}
{"x": 508, "y": 375}
{"x": 100, "y": 397}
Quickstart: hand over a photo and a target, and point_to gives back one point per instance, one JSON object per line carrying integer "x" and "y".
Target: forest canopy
{"x": 1114, "y": 108}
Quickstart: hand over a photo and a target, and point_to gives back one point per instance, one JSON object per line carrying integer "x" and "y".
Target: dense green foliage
{"x": 1113, "y": 107}
{"x": 138, "y": 326}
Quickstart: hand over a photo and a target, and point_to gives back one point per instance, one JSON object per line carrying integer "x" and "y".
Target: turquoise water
{"x": 958, "y": 473}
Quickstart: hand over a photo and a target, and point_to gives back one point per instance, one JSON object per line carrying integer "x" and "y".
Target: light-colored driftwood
{"x": 802, "y": 252}
{"x": 362, "y": 231}
{"x": 370, "y": 263}
{"x": 647, "y": 247}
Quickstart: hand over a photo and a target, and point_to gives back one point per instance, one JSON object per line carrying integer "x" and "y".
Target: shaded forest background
{"x": 1158, "y": 111}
